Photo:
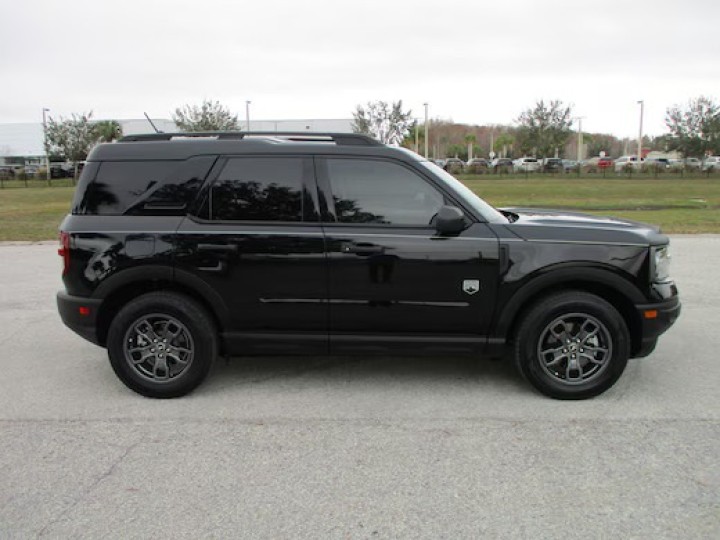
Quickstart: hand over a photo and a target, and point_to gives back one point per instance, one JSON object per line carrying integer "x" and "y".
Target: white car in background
{"x": 711, "y": 163}
{"x": 623, "y": 162}
{"x": 524, "y": 164}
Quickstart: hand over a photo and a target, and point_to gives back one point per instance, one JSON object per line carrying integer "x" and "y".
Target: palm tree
{"x": 470, "y": 140}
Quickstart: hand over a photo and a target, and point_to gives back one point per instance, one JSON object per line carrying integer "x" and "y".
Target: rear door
{"x": 394, "y": 282}
{"x": 256, "y": 246}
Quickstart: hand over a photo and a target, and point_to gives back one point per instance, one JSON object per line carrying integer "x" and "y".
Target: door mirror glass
{"x": 450, "y": 220}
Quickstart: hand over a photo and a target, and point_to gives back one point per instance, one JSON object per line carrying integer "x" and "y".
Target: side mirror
{"x": 450, "y": 220}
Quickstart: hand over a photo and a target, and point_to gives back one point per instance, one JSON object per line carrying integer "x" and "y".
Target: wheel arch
{"x": 151, "y": 280}
{"x": 618, "y": 291}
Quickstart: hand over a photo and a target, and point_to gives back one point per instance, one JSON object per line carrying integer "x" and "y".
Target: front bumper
{"x": 656, "y": 319}
{"x": 80, "y": 315}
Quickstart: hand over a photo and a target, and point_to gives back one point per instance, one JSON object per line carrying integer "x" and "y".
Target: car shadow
{"x": 360, "y": 370}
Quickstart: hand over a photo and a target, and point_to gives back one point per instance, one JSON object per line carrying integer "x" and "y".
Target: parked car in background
{"x": 478, "y": 166}
{"x": 454, "y": 164}
{"x": 570, "y": 165}
{"x": 657, "y": 163}
{"x": 31, "y": 171}
{"x": 552, "y": 165}
{"x": 692, "y": 163}
{"x": 711, "y": 163}
{"x": 605, "y": 163}
{"x": 526, "y": 164}
{"x": 624, "y": 163}
{"x": 500, "y": 165}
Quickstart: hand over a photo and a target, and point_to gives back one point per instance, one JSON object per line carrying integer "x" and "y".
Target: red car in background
{"x": 605, "y": 163}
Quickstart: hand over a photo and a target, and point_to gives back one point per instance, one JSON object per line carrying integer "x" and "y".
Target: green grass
{"x": 33, "y": 213}
{"x": 679, "y": 205}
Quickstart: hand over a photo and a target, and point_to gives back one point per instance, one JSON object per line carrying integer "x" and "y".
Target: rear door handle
{"x": 226, "y": 248}
{"x": 361, "y": 249}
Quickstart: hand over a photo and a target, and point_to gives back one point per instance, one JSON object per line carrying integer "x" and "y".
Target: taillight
{"x": 64, "y": 251}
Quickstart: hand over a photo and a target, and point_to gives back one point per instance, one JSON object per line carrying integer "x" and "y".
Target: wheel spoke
{"x": 573, "y": 367}
{"x": 147, "y": 333}
{"x": 561, "y": 336}
{"x": 177, "y": 358}
{"x": 161, "y": 372}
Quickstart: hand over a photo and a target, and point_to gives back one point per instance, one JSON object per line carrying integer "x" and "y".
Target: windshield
{"x": 481, "y": 207}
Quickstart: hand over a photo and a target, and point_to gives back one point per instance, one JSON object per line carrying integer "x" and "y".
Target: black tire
{"x": 165, "y": 316}
{"x": 549, "y": 368}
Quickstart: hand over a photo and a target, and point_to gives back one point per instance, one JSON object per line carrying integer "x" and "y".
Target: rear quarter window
{"x": 142, "y": 187}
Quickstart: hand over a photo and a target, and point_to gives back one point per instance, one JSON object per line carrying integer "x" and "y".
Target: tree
{"x": 387, "y": 123}
{"x": 209, "y": 116}
{"x": 107, "y": 131}
{"x": 695, "y": 129}
{"x": 503, "y": 144}
{"x": 544, "y": 128}
{"x": 72, "y": 138}
{"x": 470, "y": 140}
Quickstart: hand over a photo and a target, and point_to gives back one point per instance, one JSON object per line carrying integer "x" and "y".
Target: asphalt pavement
{"x": 355, "y": 447}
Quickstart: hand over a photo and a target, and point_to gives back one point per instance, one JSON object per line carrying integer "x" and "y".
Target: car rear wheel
{"x": 162, "y": 344}
{"x": 572, "y": 345}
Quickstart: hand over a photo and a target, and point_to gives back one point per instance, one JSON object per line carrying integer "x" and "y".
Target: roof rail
{"x": 341, "y": 139}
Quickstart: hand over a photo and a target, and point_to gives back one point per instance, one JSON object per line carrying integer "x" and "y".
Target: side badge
{"x": 471, "y": 286}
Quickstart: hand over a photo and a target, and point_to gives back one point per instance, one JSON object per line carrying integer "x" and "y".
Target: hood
{"x": 535, "y": 223}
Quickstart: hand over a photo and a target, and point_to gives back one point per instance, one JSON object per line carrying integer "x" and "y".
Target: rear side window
{"x": 144, "y": 187}
{"x": 260, "y": 189}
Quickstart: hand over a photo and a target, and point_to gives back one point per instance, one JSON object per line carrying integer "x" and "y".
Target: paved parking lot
{"x": 355, "y": 447}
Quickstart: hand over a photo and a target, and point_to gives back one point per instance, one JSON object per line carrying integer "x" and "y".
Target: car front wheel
{"x": 572, "y": 345}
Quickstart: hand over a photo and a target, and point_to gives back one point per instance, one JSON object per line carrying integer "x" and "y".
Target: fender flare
{"x": 552, "y": 277}
{"x": 186, "y": 280}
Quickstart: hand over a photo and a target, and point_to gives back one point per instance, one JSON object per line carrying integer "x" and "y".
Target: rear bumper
{"x": 81, "y": 321}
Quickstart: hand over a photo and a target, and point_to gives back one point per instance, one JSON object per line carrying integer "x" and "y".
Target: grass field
{"x": 679, "y": 205}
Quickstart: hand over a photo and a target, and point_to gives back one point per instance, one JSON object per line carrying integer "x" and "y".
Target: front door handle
{"x": 361, "y": 249}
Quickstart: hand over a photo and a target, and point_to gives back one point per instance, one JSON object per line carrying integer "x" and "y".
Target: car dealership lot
{"x": 355, "y": 447}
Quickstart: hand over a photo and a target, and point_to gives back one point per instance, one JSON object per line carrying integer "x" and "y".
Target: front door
{"x": 394, "y": 282}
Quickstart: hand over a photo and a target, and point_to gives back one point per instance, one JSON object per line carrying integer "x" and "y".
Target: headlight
{"x": 661, "y": 260}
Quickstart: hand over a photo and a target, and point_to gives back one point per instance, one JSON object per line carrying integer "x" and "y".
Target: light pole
{"x": 417, "y": 135}
{"x": 642, "y": 110}
{"x": 45, "y": 145}
{"x": 580, "y": 138}
{"x": 426, "y": 130}
{"x": 247, "y": 115}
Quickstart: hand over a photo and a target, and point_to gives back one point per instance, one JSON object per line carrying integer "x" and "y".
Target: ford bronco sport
{"x": 183, "y": 247}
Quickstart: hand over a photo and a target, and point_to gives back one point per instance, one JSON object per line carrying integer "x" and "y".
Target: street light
{"x": 247, "y": 115}
{"x": 426, "y": 130}
{"x": 580, "y": 138}
{"x": 642, "y": 109}
{"x": 45, "y": 146}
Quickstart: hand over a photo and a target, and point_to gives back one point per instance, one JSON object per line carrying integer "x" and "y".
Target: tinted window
{"x": 120, "y": 183}
{"x": 258, "y": 189}
{"x": 371, "y": 191}
{"x": 143, "y": 187}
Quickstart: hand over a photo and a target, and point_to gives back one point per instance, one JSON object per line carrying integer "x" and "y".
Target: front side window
{"x": 381, "y": 192}
{"x": 258, "y": 189}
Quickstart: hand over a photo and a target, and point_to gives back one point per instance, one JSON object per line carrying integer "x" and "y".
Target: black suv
{"x": 180, "y": 248}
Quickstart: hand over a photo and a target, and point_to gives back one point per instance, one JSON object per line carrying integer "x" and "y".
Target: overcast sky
{"x": 475, "y": 62}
